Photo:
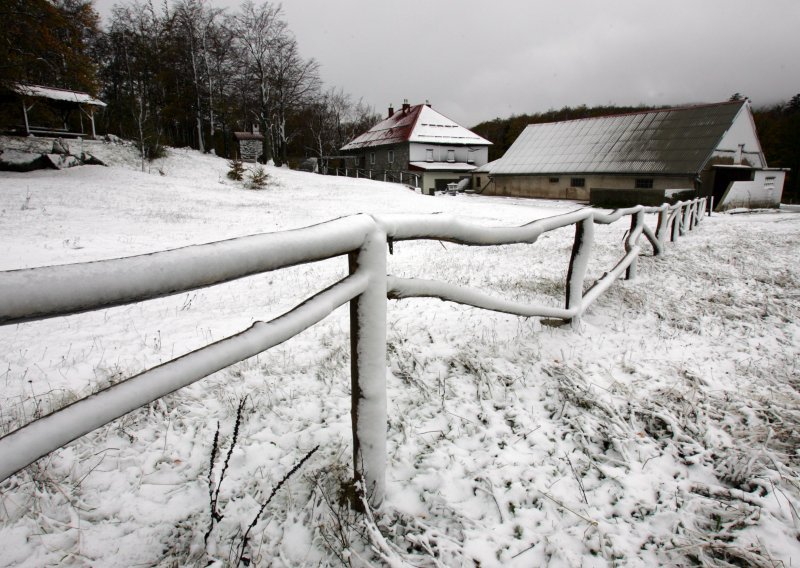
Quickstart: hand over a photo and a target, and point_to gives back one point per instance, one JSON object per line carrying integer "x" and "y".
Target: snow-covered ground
{"x": 664, "y": 430}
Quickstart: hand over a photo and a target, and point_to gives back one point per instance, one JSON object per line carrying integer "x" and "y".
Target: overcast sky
{"x": 480, "y": 59}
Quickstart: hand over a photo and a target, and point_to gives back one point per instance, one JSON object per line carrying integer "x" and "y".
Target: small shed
{"x": 59, "y": 106}
{"x": 250, "y": 145}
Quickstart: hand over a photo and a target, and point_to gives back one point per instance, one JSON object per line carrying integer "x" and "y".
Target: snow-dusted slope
{"x": 662, "y": 431}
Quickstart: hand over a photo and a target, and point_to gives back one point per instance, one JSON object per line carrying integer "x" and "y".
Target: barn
{"x": 644, "y": 157}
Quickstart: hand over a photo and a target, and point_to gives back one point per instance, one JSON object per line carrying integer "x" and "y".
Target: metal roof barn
{"x": 668, "y": 141}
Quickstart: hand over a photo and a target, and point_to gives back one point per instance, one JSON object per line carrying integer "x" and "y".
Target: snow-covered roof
{"x": 432, "y": 127}
{"x": 485, "y": 168}
{"x": 56, "y": 94}
{"x": 668, "y": 141}
{"x": 442, "y": 166}
{"x": 417, "y": 123}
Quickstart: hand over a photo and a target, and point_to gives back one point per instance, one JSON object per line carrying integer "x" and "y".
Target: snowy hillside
{"x": 663, "y": 431}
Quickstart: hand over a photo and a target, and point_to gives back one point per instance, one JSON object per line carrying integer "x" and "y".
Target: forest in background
{"x": 185, "y": 73}
{"x": 778, "y": 128}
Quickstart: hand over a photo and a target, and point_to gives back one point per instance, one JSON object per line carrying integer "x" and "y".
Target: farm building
{"x": 419, "y": 141}
{"x": 643, "y": 157}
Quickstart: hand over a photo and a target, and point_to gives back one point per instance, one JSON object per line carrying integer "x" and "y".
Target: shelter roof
{"x": 668, "y": 141}
{"x": 56, "y": 94}
{"x": 417, "y": 123}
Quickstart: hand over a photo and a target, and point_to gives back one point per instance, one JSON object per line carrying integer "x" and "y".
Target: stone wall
{"x": 250, "y": 150}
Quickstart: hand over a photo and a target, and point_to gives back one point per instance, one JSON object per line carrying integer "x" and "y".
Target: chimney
{"x": 739, "y": 154}
{"x": 391, "y": 110}
{"x": 427, "y": 103}
{"x": 406, "y": 106}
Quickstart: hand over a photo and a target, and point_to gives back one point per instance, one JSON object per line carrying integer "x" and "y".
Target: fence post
{"x": 662, "y": 228}
{"x": 368, "y": 367}
{"x": 686, "y": 211}
{"x": 581, "y": 250}
{"x": 676, "y": 223}
{"x": 637, "y": 219}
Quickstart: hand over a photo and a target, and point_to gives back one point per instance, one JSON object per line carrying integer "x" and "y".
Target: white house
{"x": 418, "y": 140}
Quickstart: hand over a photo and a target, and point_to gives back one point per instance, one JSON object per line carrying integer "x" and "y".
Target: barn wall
{"x": 543, "y": 187}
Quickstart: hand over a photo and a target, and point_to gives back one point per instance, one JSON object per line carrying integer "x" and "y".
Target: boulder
{"x": 60, "y": 147}
{"x": 89, "y": 160}
{"x": 61, "y": 161}
{"x": 17, "y": 161}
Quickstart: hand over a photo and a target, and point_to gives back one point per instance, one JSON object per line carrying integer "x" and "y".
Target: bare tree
{"x": 257, "y": 30}
{"x": 294, "y": 84}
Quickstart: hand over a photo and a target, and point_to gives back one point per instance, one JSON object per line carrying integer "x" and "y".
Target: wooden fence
{"x": 40, "y": 293}
{"x": 399, "y": 176}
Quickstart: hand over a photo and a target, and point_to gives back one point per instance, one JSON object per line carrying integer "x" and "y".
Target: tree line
{"x": 778, "y": 128}
{"x": 184, "y": 74}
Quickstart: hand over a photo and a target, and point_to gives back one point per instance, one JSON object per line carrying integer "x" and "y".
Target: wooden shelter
{"x": 60, "y": 104}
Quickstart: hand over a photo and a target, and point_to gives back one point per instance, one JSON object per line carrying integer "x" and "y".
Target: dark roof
{"x": 668, "y": 141}
{"x": 248, "y": 136}
{"x": 417, "y": 123}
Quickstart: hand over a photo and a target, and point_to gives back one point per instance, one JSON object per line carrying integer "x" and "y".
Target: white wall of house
{"x": 742, "y": 132}
{"x": 478, "y": 155}
{"x": 765, "y": 190}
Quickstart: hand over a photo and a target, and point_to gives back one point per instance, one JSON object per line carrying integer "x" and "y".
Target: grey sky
{"x": 480, "y": 59}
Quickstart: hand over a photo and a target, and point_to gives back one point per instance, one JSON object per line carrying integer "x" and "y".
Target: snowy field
{"x": 665, "y": 430}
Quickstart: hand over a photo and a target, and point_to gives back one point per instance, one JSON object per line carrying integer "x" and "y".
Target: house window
{"x": 372, "y": 158}
{"x": 429, "y": 155}
{"x": 391, "y": 156}
{"x": 644, "y": 183}
{"x": 577, "y": 182}
{"x": 470, "y": 156}
{"x": 554, "y": 180}
{"x": 769, "y": 183}
{"x": 478, "y": 181}
{"x": 451, "y": 155}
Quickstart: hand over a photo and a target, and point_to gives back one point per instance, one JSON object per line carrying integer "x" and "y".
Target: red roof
{"x": 393, "y": 130}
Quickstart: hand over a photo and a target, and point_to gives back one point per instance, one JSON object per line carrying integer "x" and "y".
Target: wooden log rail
{"x": 50, "y": 291}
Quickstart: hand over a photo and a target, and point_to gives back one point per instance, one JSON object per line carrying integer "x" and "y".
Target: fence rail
{"x": 40, "y": 293}
{"x": 394, "y": 176}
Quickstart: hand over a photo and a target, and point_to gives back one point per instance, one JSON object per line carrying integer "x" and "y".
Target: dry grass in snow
{"x": 663, "y": 430}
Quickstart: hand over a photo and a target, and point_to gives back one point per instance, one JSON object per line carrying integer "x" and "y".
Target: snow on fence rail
{"x": 40, "y": 293}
